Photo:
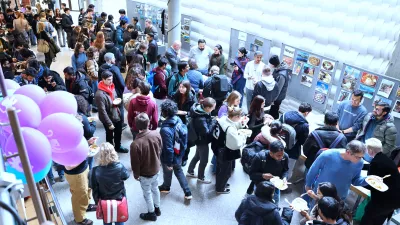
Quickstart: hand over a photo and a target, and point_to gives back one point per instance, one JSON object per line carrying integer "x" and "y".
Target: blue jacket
{"x": 78, "y": 62}
{"x": 23, "y": 82}
{"x": 257, "y": 211}
{"x": 196, "y": 79}
{"x": 119, "y": 38}
{"x": 300, "y": 124}
{"x": 203, "y": 123}
{"x": 167, "y": 132}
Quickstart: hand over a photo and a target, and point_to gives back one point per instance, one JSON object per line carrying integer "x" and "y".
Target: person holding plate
{"x": 382, "y": 204}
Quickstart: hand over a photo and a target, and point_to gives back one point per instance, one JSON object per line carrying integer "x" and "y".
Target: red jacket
{"x": 160, "y": 81}
{"x": 142, "y": 104}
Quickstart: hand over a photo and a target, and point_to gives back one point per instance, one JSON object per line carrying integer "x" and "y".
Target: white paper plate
{"x": 278, "y": 183}
{"x": 93, "y": 151}
{"x": 376, "y": 183}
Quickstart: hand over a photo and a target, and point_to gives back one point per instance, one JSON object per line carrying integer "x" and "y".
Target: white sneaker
{"x": 204, "y": 181}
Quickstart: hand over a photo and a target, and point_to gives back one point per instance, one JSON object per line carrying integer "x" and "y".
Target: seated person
{"x": 7, "y": 69}
{"x": 40, "y": 67}
{"x": 26, "y": 77}
{"x": 22, "y": 54}
{"x": 51, "y": 81}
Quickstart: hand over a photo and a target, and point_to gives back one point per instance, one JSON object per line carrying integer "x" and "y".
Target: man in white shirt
{"x": 201, "y": 54}
{"x": 253, "y": 73}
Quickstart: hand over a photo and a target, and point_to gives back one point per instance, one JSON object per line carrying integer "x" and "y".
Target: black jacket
{"x": 110, "y": 47}
{"x": 60, "y": 85}
{"x": 269, "y": 96}
{"x": 79, "y": 86}
{"x": 381, "y": 165}
{"x": 99, "y": 23}
{"x": 264, "y": 163}
{"x": 67, "y": 22}
{"x": 118, "y": 80}
{"x": 185, "y": 106}
{"x": 152, "y": 52}
{"x": 173, "y": 59}
{"x": 328, "y": 134}
{"x": 88, "y": 127}
{"x": 253, "y": 208}
{"x": 300, "y": 124}
{"x": 108, "y": 182}
{"x": 255, "y": 124}
{"x": 281, "y": 76}
{"x": 203, "y": 123}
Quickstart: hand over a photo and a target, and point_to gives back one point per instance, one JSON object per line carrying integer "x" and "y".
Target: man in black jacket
{"x": 152, "y": 51}
{"x": 266, "y": 87}
{"x": 282, "y": 78}
{"x": 51, "y": 81}
{"x": 67, "y": 25}
{"x": 100, "y": 21}
{"x": 110, "y": 48}
{"x": 327, "y": 136}
{"x": 269, "y": 164}
{"x": 75, "y": 82}
{"x": 172, "y": 55}
{"x": 382, "y": 204}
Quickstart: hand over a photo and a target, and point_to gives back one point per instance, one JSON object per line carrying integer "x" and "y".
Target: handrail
{"x": 56, "y": 203}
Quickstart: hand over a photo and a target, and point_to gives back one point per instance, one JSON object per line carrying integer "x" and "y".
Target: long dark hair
{"x": 185, "y": 96}
{"x": 218, "y": 57}
{"x": 255, "y": 106}
{"x": 78, "y": 45}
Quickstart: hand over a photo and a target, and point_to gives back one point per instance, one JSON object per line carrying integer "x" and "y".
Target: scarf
{"x": 241, "y": 63}
{"x": 108, "y": 89}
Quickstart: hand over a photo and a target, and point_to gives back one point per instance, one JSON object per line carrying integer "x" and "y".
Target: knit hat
{"x": 274, "y": 60}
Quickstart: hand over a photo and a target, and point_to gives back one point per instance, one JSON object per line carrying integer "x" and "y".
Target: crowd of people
{"x": 173, "y": 105}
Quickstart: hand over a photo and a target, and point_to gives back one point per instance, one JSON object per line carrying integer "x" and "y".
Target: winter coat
{"x": 53, "y": 47}
{"x": 173, "y": 59}
{"x": 78, "y": 86}
{"x": 254, "y": 208}
{"x": 202, "y": 122}
{"x": 281, "y": 77}
{"x": 196, "y": 79}
{"x": 160, "y": 81}
{"x": 67, "y": 22}
{"x": 108, "y": 113}
{"x": 118, "y": 80}
{"x": 268, "y": 90}
{"x": 99, "y": 23}
{"x": 108, "y": 182}
{"x": 267, "y": 164}
{"x": 152, "y": 52}
{"x": 78, "y": 62}
{"x": 234, "y": 141}
{"x": 119, "y": 38}
{"x": 167, "y": 132}
{"x": 185, "y": 106}
{"x": 300, "y": 124}
{"x": 92, "y": 69}
{"x": 60, "y": 85}
{"x": 110, "y": 47}
{"x": 328, "y": 134}
{"x": 152, "y": 30}
{"x": 217, "y": 60}
{"x": 385, "y": 131}
{"x": 142, "y": 104}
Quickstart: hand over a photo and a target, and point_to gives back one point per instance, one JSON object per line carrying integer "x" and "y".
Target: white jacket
{"x": 234, "y": 140}
{"x": 251, "y": 72}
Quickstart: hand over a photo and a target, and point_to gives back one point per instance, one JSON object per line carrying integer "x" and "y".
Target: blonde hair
{"x": 232, "y": 97}
{"x": 107, "y": 154}
{"x": 234, "y": 111}
{"x": 374, "y": 144}
{"x": 41, "y": 26}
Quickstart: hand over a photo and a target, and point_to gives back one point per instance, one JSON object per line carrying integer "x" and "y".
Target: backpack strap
{"x": 226, "y": 130}
{"x": 318, "y": 139}
{"x": 337, "y": 140}
{"x": 263, "y": 159}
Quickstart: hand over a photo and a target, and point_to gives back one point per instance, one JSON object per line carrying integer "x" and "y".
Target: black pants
{"x": 250, "y": 189}
{"x": 114, "y": 136}
{"x": 224, "y": 170}
{"x": 47, "y": 59}
{"x": 376, "y": 214}
{"x": 274, "y": 111}
{"x": 69, "y": 39}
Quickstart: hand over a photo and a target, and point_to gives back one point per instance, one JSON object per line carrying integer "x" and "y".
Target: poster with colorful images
{"x": 350, "y": 78}
{"x": 322, "y": 87}
{"x": 385, "y": 88}
{"x": 328, "y": 65}
{"x": 253, "y": 47}
{"x": 314, "y": 60}
{"x": 288, "y": 61}
{"x": 306, "y": 80}
{"x": 398, "y": 93}
{"x": 381, "y": 99}
{"x": 319, "y": 98}
{"x": 297, "y": 67}
{"x": 369, "y": 79}
{"x": 308, "y": 69}
{"x": 396, "y": 109}
{"x": 302, "y": 56}
{"x": 288, "y": 51}
{"x": 368, "y": 91}
{"x": 324, "y": 76}
{"x": 258, "y": 42}
{"x": 344, "y": 95}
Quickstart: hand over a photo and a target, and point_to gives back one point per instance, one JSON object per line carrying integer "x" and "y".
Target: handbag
{"x": 43, "y": 46}
{"x": 112, "y": 211}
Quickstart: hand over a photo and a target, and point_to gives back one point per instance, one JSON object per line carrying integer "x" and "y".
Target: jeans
{"x": 224, "y": 170}
{"x": 116, "y": 223}
{"x": 61, "y": 38}
{"x": 159, "y": 102}
{"x": 32, "y": 37}
{"x": 214, "y": 162}
{"x": 94, "y": 84}
{"x": 202, "y": 156}
{"x": 114, "y": 136}
{"x": 151, "y": 193}
{"x": 249, "y": 97}
{"x": 277, "y": 196}
{"x": 90, "y": 162}
{"x": 59, "y": 170}
{"x": 177, "y": 169}
{"x": 274, "y": 111}
{"x": 239, "y": 86}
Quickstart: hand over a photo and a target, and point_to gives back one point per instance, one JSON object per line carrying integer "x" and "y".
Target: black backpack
{"x": 89, "y": 88}
{"x": 248, "y": 154}
{"x": 217, "y": 88}
{"x": 395, "y": 156}
{"x": 318, "y": 139}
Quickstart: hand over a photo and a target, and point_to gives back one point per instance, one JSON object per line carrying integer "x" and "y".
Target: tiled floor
{"x": 205, "y": 208}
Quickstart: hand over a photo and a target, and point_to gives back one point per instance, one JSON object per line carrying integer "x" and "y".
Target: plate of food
{"x": 91, "y": 119}
{"x": 314, "y": 61}
{"x": 327, "y": 65}
{"x": 93, "y": 150}
{"x": 117, "y": 101}
{"x": 245, "y": 132}
{"x": 279, "y": 183}
{"x": 298, "y": 204}
{"x": 377, "y": 183}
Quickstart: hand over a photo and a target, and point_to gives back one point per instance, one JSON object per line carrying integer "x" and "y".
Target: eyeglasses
{"x": 357, "y": 157}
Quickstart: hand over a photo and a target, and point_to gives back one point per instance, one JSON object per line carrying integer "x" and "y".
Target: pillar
{"x": 174, "y": 21}
{"x": 57, "y": 5}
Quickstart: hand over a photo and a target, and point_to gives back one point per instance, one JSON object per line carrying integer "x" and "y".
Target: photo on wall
{"x": 328, "y": 65}
{"x": 398, "y": 93}
{"x": 368, "y": 91}
{"x": 385, "y": 88}
{"x": 324, "y": 76}
{"x": 302, "y": 56}
{"x": 319, "y": 98}
{"x": 253, "y": 47}
{"x": 378, "y": 99}
{"x": 396, "y": 109}
{"x": 322, "y": 87}
{"x": 350, "y": 77}
{"x": 306, "y": 80}
{"x": 314, "y": 60}
{"x": 297, "y": 67}
{"x": 369, "y": 79}
{"x": 308, "y": 69}
{"x": 343, "y": 96}
{"x": 288, "y": 61}
{"x": 288, "y": 51}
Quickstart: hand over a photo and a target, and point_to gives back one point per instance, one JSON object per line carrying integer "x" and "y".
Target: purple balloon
{"x": 28, "y": 111}
{"x": 37, "y": 147}
{"x": 58, "y": 102}
{"x": 73, "y": 156}
{"x": 64, "y": 131}
{"x": 10, "y": 84}
{"x": 32, "y": 91}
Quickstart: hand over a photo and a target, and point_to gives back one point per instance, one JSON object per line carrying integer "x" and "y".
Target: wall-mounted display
{"x": 396, "y": 109}
{"x": 314, "y": 61}
{"x": 308, "y": 69}
{"x": 328, "y": 65}
{"x": 322, "y": 87}
{"x": 368, "y": 91}
{"x": 398, "y": 93}
{"x": 306, "y": 80}
{"x": 297, "y": 67}
{"x": 319, "y": 98}
{"x": 369, "y": 79}
{"x": 289, "y": 51}
{"x": 324, "y": 76}
{"x": 378, "y": 99}
{"x": 288, "y": 61}
{"x": 385, "y": 88}
{"x": 344, "y": 95}
{"x": 350, "y": 78}
{"x": 302, "y": 56}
